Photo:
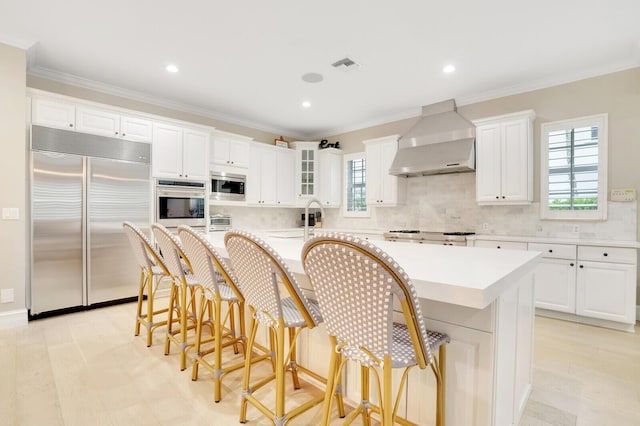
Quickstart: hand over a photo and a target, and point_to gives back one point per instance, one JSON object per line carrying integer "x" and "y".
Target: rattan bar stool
{"x": 264, "y": 279}
{"x": 356, "y": 284}
{"x": 182, "y": 297}
{"x": 152, "y": 272}
{"x": 217, "y": 287}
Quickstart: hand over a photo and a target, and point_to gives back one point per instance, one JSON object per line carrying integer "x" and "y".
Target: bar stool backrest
{"x": 355, "y": 283}
{"x": 146, "y": 255}
{"x": 259, "y": 270}
{"x": 172, "y": 251}
{"x": 206, "y": 261}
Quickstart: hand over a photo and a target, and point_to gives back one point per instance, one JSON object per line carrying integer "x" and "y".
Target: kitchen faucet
{"x": 306, "y": 215}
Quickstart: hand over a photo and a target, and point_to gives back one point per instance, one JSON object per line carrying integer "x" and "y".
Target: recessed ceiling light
{"x": 306, "y": 104}
{"x": 312, "y": 77}
{"x": 448, "y": 69}
{"x": 172, "y": 68}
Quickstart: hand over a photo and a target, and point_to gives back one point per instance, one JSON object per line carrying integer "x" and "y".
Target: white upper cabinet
{"x": 504, "y": 159}
{"x": 179, "y": 152}
{"x": 53, "y": 113}
{"x": 229, "y": 150}
{"x": 88, "y": 119}
{"x": 330, "y": 166}
{"x": 318, "y": 174}
{"x": 262, "y": 178}
{"x": 383, "y": 189}
{"x": 307, "y": 176}
{"x": 112, "y": 124}
{"x": 285, "y": 177}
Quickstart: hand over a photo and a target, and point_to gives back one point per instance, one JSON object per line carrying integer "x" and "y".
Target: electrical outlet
{"x": 576, "y": 229}
{"x": 485, "y": 226}
{"x": 623, "y": 195}
{"x": 6, "y": 295}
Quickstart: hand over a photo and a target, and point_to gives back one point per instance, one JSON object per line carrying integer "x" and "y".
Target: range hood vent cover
{"x": 442, "y": 141}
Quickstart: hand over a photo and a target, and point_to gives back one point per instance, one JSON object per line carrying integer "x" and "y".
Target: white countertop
{"x": 467, "y": 276}
{"x": 557, "y": 240}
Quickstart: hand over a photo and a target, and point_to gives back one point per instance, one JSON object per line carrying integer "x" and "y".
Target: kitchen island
{"x": 482, "y": 298}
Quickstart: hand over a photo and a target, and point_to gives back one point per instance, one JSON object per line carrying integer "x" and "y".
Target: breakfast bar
{"x": 482, "y": 298}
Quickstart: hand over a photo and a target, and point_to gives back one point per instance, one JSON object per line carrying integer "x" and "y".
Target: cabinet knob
{"x": 550, "y": 251}
{"x": 124, "y": 134}
{"x": 497, "y": 198}
{"x": 116, "y": 133}
{"x": 582, "y": 266}
{"x": 503, "y": 197}
{"x": 498, "y": 247}
{"x": 605, "y": 254}
{"x": 571, "y": 264}
{"x": 70, "y": 124}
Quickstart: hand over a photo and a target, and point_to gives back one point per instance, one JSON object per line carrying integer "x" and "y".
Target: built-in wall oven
{"x": 180, "y": 203}
{"x": 227, "y": 186}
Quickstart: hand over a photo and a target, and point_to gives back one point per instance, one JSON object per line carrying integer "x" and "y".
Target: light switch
{"x": 10, "y": 213}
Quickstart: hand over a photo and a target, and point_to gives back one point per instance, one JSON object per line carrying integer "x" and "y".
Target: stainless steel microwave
{"x": 227, "y": 186}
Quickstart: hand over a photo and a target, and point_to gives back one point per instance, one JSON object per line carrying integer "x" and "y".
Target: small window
{"x": 355, "y": 186}
{"x": 574, "y": 169}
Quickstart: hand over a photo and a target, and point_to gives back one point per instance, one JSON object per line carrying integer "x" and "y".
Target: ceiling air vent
{"x": 345, "y": 64}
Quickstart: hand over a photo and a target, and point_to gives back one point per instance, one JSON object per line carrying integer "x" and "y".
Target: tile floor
{"x": 88, "y": 369}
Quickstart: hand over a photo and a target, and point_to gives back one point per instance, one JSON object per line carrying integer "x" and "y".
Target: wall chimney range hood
{"x": 442, "y": 141}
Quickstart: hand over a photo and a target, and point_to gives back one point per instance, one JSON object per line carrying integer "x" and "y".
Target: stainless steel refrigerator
{"x": 82, "y": 188}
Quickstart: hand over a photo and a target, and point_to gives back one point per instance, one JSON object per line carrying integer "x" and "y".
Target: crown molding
{"x": 108, "y": 89}
{"x": 547, "y": 82}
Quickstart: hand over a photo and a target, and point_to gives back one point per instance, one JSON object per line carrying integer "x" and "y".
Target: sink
{"x": 286, "y": 233}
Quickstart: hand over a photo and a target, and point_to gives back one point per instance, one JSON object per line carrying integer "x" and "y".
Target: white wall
{"x": 13, "y": 180}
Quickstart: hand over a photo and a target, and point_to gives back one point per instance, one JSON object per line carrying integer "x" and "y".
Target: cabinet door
{"x": 388, "y": 183}
{"x": 306, "y": 167}
{"x": 286, "y": 175}
{"x": 555, "y": 285}
{"x": 194, "y": 154}
{"x": 469, "y": 374}
{"x": 239, "y": 154}
{"x": 97, "y": 122}
{"x": 52, "y": 113}
{"x": 488, "y": 163}
{"x": 606, "y": 291}
{"x": 331, "y": 173}
{"x": 515, "y": 161}
{"x": 373, "y": 164}
{"x": 167, "y": 151}
{"x": 262, "y": 178}
{"x": 508, "y": 245}
{"x": 135, "y": 128}
{"x": 220, "y": 151}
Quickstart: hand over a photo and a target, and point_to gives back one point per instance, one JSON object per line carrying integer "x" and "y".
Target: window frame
{"x": 600, "y": 213}
{"x": 345, "y": 166}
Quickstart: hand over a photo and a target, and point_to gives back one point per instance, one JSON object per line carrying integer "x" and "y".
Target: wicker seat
{"x": 182, "y": 297}
{"x": 217, "y": 287}
{"x": 356, "y": 284}
{"x": 152, "y": 272}
{"x": 263, "y": 277}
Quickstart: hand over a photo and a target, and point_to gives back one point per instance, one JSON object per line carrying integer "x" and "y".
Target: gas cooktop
{"x": 428, "y": 237}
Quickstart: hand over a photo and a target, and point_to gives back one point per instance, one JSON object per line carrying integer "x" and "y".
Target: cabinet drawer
{"x": 554, "y": 251}
{"x": 607, "y": 254}
{"x": 509, "y": 245}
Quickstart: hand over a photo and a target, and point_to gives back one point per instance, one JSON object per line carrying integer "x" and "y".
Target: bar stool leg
{"x": 139, "y": 307}
{"x": 247, "y": 370}
{"x": 172, "y": 302}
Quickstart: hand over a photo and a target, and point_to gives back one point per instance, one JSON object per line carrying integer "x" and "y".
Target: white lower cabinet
{"x": 556, "y": 277}
{"x": 606, "y": 290}
{"x": 588, "y": 282}
{"x": 508, "y": 245}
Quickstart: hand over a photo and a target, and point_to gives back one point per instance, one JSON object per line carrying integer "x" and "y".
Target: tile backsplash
{"x": 448, "y": 203}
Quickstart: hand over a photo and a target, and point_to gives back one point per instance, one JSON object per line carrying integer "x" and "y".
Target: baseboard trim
{"x": 12, "y": 319}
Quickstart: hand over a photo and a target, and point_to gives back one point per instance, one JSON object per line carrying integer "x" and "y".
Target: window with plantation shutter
{"x": 573, "y": 169}
{"x": 355, "y": 185}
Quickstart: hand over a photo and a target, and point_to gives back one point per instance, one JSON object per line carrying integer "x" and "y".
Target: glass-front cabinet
{"x": 306, "y": 170}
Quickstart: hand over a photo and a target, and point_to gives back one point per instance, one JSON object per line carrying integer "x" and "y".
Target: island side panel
{"x": 513, "y": 359}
